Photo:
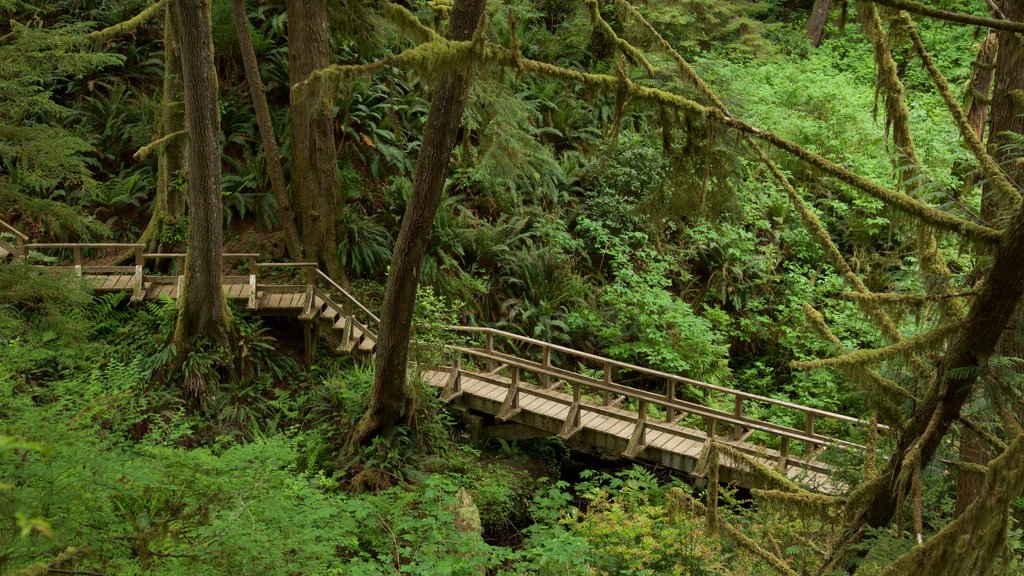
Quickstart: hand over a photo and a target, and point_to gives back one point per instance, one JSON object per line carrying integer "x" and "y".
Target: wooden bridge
{"x": 514, "y": 386}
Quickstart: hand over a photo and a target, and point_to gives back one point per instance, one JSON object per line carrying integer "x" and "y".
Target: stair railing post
{"x": 346, "y": 311}
{"x": 22, "y": 249}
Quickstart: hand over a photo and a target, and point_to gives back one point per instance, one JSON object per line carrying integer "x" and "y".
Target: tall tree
{"x": 170, "y": 195}
{"x": 999, "y": 72}
{"x": 202, "y": 312}
{"x": 389, "y": 403}
{"x": 265, "y": 122}
{"x": 315, "y": 185}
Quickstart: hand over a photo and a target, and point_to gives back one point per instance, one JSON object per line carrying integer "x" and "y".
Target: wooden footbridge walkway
{"x": 523, "y": 387}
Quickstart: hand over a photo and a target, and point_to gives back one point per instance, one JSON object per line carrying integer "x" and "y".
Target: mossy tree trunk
{"x": 958, "y": 372}
{"x": 267, "y": 135}
{"x": 170, "y": 199}
{"x": 1007, "y": 114}
{"x": 389, "y": 403}
{"x": 202, "y": 312}
{"x": 315, "y": 186}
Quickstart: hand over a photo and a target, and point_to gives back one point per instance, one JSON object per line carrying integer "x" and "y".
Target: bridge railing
{"x": 735, "y": 422}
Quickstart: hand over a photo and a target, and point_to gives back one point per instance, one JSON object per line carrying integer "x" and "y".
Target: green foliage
{"x": 640, "y": 321}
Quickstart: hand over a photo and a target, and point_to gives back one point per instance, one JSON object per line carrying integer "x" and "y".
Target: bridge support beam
{"x": 310, "y": 339}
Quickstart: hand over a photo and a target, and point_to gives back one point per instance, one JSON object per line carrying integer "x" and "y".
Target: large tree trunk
{"x": 817, "y": 22}
{"x": 170, "y": 195}
{"x": 1002, "y": 57}
{"x": 266, "y": 126}
{"x": 201, "y": 308}
{"x": 390, "y": 399}
{"x": 315, "y": 186}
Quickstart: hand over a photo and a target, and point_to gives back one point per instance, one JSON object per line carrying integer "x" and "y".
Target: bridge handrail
{"x": 673, "y": 404}
{"x": 739, "y": 395}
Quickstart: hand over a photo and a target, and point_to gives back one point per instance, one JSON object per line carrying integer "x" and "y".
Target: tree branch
{"x": 148, "y": 149}
{"x": 129, "y": 25}
{"x": 971, "y": 19}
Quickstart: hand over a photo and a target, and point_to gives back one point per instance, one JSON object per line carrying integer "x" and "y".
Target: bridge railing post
{"x": 606, "y": 394}
{"x": 737, "y": 429}
{"x": 784, "y": 453}
{"x": 670, "y": 395}
{"x": 489, "y": 347}
{"x": 545, "y": 379}
{"x": 77, "y": 251}
{"x": 137, "y": 286}
{"x": 253, "y": 284}
{"x": 809, "y": 429}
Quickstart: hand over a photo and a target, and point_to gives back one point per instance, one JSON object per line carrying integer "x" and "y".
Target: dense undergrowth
{"x": 568, "y": 216}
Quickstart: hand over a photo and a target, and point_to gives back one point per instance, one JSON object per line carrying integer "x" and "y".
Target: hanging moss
{"x": 806, "y": 505}
{"x": 745, "y": 463}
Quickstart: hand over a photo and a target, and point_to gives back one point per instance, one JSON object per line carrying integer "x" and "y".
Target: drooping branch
{"x": 128, "y": 26}
{"x": 962, "y": 18}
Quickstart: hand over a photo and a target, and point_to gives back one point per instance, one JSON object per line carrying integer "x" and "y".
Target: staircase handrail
{"x": 20, "y": 238}
{"x": 352, "y": 299}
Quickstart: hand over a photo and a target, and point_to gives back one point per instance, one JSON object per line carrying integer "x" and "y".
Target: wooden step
{"x": 367, "y": 345}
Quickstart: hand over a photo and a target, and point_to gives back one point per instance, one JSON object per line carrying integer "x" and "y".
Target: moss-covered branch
{"x": 962, "y": 18}
{"x": 628, "y": 50}
{"x": 892, "y": 298}
{"x": 128, "y": 26}
{"x": 148, "y": 149}
{"x": 926, "y": 341}
{"x": 989, "y": 167}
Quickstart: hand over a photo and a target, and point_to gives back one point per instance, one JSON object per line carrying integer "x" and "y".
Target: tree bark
{"x": 201, "y": 308}
{"x": 170, "y": 195}
{"x": 315, "y": 186}
{"x": 266, "y": 127}
{"x": 819, "y": 18}
{"x": 1001, "y": 57}
{"x": 390, "y": 399}
{"x": 980, "y": 96}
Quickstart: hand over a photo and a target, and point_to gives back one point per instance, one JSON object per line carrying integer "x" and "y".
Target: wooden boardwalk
{"x": 612, "y": 430}
{"x": 528, "y": 387}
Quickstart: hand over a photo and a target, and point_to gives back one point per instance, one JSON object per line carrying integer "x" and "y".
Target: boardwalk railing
{"x": 524, "y": 357}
